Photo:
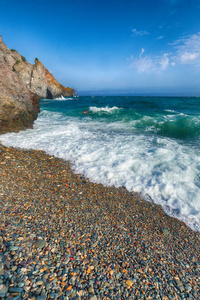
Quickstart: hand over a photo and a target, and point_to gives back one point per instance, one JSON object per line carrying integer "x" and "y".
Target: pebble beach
{"x": 63, "y": 237}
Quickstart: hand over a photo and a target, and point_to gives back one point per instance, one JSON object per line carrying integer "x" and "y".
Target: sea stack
{"x": 21, "y": 87}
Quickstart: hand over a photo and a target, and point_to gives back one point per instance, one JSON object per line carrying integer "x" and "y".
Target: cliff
{"x": 38, "y": 79}
{"x": 21, "y": 87}
{"x": 19, "y": 107}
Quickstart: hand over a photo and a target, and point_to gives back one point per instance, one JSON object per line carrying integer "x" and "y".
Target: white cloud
{"x": 139, "y": 32}
{"x": 185, "y": 50}
{"x": 188, "y": 57}
{"x": 188, "y": 49}
{"x": 164, "y": 62}
{"x": 142, "y": 51}
{"x": 160, "y": 37}
{"x": 147, "y": 64}
{"x": 143, "y": 65}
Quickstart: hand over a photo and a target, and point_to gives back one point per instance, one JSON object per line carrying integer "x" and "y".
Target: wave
{"x": 159, "y": 167}
{"x": 60, "y": 98}
{"x": 172, "y": 111}
{"x": 103, "y": 109}
{"x": 181, "y": 128}
{"x": 176, "y": 126}
{"x": 48, "y": 115}
{"x": 144, "y": 151}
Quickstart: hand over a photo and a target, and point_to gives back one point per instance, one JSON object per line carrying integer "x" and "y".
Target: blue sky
{"x": 146, "y": 47}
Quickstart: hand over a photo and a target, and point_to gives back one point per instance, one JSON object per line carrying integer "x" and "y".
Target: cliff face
{"x": 21, "y": 87}
{"x": 43, "y": 83}
{"x": 37, "y": 78}
{"x": 19, "y": 107}
{"x": 54, "y": 88}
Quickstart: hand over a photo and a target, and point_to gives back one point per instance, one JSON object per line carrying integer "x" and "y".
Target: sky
{"x": 143, "y": 47}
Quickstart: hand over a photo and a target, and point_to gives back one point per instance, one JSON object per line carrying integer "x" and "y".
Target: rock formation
{"x": 19, "y": 107}
{"x": 36, "y": 77}
{"x": 21, "y": 86}
{"x": 39, "y": 80}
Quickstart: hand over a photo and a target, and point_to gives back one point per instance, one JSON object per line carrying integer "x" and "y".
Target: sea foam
{"x": 103, "y": 109}
{"x": 165, "y": 170}
{"x": 62, "y": 98}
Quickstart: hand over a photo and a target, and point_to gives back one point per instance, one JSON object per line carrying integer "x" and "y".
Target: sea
{"x": 149, "y": 145}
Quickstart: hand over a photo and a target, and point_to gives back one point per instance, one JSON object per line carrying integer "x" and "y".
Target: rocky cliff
{"x": 19, "y": 107}
{"x": 21, "y": 86}
{"x": 38, "y": 79}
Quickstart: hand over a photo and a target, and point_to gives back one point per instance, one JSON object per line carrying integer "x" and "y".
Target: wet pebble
{"x": 62, "y": 238}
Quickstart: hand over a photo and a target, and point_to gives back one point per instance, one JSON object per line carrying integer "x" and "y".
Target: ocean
{"x": 150, "y": 145}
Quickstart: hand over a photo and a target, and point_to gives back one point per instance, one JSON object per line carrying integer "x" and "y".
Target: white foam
{"x": 103, "y": 109}
{"x": 157, "y": 166}
{"x": 62, "y": 98}
{"x": 171, "y": 110}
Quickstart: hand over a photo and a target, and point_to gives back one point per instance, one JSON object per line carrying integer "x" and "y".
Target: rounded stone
{"x": 40, "y": 244}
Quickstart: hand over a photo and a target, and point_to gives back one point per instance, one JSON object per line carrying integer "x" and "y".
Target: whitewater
{"x": 150, "y": 145}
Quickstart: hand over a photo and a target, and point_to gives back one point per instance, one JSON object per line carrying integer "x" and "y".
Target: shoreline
{"x": 63, "y": 237}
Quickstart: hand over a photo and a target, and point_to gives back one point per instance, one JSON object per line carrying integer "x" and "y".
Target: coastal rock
{"x": 36, "y": 77}
{"x": 19, "y": 107}
{"x": 38, "y": 83}
{"x": 44, "y": 84}
{"x": 21, "y": 87}
{"x": 24, "y": 70}
{"x": 54, "y": 88}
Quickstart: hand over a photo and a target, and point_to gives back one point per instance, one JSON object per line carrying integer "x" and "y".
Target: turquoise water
{"x": 146, "y": 144}
{"x": 177, "y": 118}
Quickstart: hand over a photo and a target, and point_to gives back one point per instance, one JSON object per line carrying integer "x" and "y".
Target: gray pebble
{"x": 44, "y": 297}
{"x": 53, "y": 295}
{"x": 4, "y": 290}
{"x": 93, "y": 297}
{"x": 40, "y": 244}
{"x": 15, "y": 290}
{"x": 13, "y": 248}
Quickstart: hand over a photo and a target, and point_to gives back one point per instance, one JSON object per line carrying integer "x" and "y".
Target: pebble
{"x": 62, "y": 237}
{"x": 53, "y": 295}
{"x": 3, "y": 290}
{"x": 13, "y": 248}
{"x": 15, "y": 290}
{"x": 94, "y": 297}
{"x": 129, "y": 283}
{"x": 39, "y": 282}
{"x": 40, "y": 244}
{"x": 95, "y": 262}
{"x": 91, "y": 290}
